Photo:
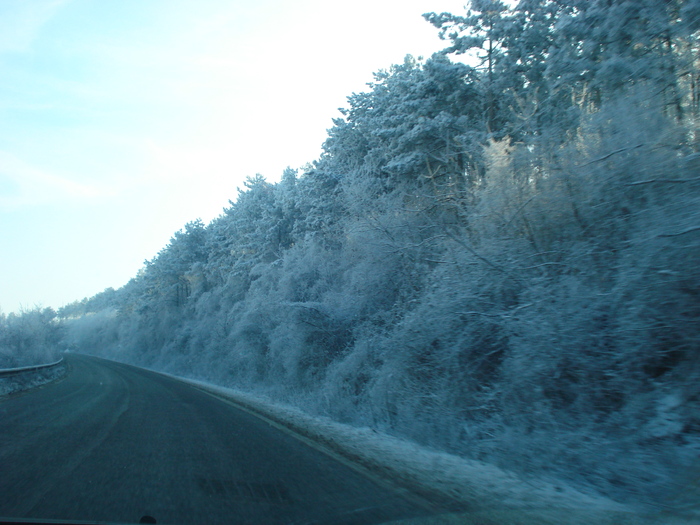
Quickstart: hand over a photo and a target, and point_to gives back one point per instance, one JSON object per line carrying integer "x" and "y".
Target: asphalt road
{"x": 112, "y": 443}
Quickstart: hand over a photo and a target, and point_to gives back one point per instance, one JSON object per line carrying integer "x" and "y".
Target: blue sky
{"x": 121, "y": 120}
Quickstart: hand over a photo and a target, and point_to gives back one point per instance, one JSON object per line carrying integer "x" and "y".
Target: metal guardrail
{"x": 12, "y": 371}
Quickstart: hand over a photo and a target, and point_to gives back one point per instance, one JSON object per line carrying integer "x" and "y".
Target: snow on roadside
{"x": 472, "y": 491}
{"x": 30, "y": 379}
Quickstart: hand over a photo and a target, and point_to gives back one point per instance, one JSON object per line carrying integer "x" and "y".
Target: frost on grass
{"x": 471, "y": 491}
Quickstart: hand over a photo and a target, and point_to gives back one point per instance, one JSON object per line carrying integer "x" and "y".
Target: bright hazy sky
{"x": 121, "y": 120}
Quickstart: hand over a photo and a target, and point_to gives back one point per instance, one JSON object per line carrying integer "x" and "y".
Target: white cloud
{"x": 22, "y": 184}
{"x": 22, "y": 20}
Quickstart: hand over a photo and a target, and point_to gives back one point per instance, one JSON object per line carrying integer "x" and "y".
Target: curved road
{"x": 112, "y": 443}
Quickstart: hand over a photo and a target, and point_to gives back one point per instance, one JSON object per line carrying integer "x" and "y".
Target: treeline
{"x": 499, "y": 260}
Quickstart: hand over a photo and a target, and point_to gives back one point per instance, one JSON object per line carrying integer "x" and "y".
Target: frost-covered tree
{"x": 605, "y": 48}
{"x": 29, "y": 337}
{"x": 512, "y": 44}
{"x": 412, "y": 129}
{"x": 167, "y": 275}
{"x": 482, "y": 31}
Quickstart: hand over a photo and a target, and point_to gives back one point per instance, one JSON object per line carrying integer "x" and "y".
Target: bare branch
{"x": 669, "y": 181}
{"x": 604, "y": 157}
{"x": 689, "y": 230}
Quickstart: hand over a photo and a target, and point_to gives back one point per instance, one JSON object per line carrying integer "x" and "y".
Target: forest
{"x": 497, "y": 254}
